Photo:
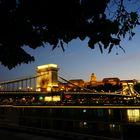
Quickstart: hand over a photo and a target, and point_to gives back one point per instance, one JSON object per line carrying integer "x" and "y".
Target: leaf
{"x": 61, "y": 43}
{"x": 100, "y": 46}
{"x": 91, "y": 44}
{"x": 116, "y": 41}
{"x": 54, "y": 46}
{"x": 122, "y": 48}
{"x": 132, "y": 34}
{"x": 110, "y": 47}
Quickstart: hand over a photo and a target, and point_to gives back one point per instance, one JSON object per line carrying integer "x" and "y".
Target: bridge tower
{"x": 47, "y": 79}
{"x": 128, "y": 88}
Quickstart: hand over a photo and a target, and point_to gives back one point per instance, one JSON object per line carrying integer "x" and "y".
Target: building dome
{"x": 93, "y": 77}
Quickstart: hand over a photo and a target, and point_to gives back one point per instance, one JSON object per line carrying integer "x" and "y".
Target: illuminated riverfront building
{"x": 112, "y": 81}
{"x": 106, "y": 85}
{"x": 93, "y": 78}
{"x": 47, "y": 78}
{"x": 76, "y": 84}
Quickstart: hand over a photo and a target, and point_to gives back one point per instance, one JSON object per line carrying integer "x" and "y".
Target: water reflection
{"x": 114, "y": 127}
{"x": 114, "y": 123}
{"x": 110, "y": 112}
{"x": 133, "y": 115}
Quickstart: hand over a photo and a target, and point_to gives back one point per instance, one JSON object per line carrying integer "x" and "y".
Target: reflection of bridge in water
{"x": 47, "y": 81}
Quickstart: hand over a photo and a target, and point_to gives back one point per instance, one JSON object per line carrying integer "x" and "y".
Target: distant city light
{"x": 48, "y": 98}
{"x": 85, "y": 123}
{"x": 56, "y": 98}
{"x": 40, "y": 98}
{"x": 84, "y": 110}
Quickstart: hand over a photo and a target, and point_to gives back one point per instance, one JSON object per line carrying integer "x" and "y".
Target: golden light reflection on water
{"x": 133, "y": 115}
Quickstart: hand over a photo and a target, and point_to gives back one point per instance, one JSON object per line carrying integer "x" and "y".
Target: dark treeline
{"x": 105, "y": 87}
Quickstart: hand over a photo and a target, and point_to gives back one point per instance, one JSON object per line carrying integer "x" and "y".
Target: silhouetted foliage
{"x": 105, "y": 87}
{"x": 57, "y": 22}
{"x": 137, "y": 87}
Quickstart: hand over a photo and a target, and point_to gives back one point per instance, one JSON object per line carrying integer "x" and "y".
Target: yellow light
{"x": 49, "y": 89}
{"x": 56, "y": 98}
{"x": 42, "y": 66}
{"x": 50, "y": 84}
{"x": 38, "y": 89}
{"x": 48, "y": 98}
{"x": 47, "y": 66}
{"x": 52, "y": 65}
{"x": 133, "y": 115}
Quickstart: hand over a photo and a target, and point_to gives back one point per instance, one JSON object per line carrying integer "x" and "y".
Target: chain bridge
{"x": 47, "y": 80}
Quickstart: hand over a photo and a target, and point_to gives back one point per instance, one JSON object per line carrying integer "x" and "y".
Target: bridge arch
{"x": 47, "y": 79}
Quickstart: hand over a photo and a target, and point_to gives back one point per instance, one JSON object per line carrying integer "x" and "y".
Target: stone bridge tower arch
{"x": 47, "y": 79}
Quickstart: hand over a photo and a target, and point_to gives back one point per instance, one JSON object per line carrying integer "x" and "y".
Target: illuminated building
{"x": 63, "y": 86}
{"x": 76, "y": 84}
{"x": 93, "y": 78}
{"x": 112, "y": 81}
{"x": 112, "y": 84}
{"x": 47, "y": 79}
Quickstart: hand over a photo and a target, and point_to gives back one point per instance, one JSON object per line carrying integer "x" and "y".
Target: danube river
{"x": 80, "y": 122}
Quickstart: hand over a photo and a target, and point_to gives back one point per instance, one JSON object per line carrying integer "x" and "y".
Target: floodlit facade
{"x": 47, "y": 79}
{"x": 112, "y": 80}
{"x": 93, "y": 77}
